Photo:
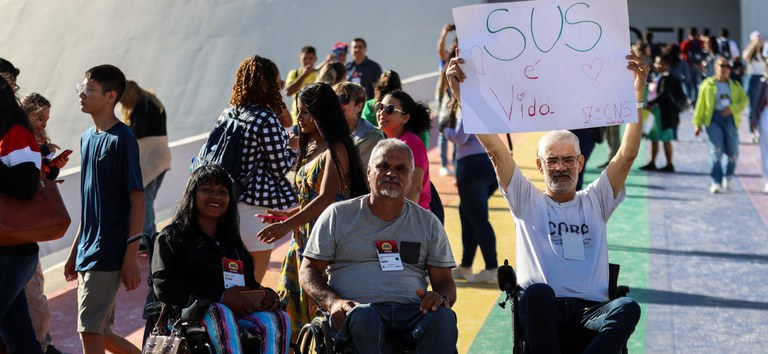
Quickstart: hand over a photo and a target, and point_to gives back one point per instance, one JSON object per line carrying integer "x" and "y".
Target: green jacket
{"x": 705, "y": 104}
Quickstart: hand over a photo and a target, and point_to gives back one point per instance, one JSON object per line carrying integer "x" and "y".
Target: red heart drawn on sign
{"x": 520, "y": 96}
{"x": 593, "y": 70}
{"x": 474, "y": 60}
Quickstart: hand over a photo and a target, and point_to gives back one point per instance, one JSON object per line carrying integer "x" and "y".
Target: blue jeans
{"x": 367, "y": 325}
{"x": 586, "y": 145}
{"x": 723, "y": 139}
{"x": 150, "y": 192}
{"x": 753, "y": 89}
{"x": 555, "y": 325}
{"x": 693, "y": 88}
{"x": 476, "y": 183}
{"x": 15, "y": 325}
{"x": 442, "y": 141}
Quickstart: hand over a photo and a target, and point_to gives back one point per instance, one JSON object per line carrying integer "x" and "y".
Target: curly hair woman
{"x": 266, "y": 153}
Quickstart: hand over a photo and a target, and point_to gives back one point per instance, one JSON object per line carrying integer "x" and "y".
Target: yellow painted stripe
{"x": 475, "y": 301}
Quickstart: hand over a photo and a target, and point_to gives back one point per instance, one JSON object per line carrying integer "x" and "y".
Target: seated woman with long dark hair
{"x": 200, "y": 255}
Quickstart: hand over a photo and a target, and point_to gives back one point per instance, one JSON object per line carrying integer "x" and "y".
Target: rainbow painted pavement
{"x": 697, "y": 263}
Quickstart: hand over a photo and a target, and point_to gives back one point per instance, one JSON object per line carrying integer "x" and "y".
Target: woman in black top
{"x": 200, "y": 255}
{"x": 143, "y": 112}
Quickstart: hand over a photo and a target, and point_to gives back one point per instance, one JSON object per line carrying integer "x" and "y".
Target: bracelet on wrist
{"x": 641, "y": 104}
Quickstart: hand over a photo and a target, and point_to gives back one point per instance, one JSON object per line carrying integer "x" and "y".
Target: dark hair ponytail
{"x": 11, "y": 112}
{"x": 420, "y": 121}
{"x": 321, "y": 102}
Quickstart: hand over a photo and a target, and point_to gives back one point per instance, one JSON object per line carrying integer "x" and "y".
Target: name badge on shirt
{"x": 389, "y": 257}
{"x": 356, "y": 80}
{"x": 573, "y": 247}
{"x": 233, "y": 272}
{"x": 725, "y": 102}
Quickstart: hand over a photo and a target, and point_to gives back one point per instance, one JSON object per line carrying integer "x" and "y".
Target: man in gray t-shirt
{"x": 378, "y": 250}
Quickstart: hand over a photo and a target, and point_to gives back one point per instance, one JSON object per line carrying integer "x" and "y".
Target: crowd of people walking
{"x": 348, "y": 122}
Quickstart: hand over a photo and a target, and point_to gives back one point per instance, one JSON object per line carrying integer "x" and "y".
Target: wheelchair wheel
{"x": 315, "y": 337}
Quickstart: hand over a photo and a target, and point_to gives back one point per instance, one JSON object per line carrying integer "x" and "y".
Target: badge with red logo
{"x": 233, "y": 272}
{"x": 389, "y": 256}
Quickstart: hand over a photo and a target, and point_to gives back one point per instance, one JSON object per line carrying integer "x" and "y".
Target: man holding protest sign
{"x": 561, "y": 234}
{"x": 562, "y": 67}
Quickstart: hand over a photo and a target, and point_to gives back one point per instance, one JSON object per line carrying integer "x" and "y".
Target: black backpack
{"x": 223, "y": 147}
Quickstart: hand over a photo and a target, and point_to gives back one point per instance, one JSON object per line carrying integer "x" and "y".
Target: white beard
{"x": 562, "y": 186}
{"x": 389, "y": 193}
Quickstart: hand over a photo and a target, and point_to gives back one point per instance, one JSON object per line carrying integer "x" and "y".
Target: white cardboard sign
{"x": 545, "y": 65}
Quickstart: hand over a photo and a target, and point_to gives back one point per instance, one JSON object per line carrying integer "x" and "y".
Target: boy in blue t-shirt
{"x": 112, "y": 210}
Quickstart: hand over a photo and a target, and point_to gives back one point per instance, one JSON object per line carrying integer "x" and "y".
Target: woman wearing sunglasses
{"x": 401, "y": 117}
{"x": 327, "y": 171}
{"x": 364, "y": 134}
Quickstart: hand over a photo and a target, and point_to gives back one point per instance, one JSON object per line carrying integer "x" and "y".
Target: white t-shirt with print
{"x": 540, "y": 224}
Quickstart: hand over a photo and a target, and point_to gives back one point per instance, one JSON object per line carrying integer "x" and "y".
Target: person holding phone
{"x": 38, "y": 109}
{"x": 201, "y": 255}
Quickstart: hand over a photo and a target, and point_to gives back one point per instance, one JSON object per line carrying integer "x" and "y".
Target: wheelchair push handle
{"x": 135, "y": 238}
{"x": 507, "y": 278}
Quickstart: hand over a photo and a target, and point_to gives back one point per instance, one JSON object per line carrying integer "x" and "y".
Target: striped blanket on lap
{"x": 224, "y": 329}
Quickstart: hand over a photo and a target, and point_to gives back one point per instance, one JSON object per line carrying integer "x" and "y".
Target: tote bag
{"x": 42, "y": 218}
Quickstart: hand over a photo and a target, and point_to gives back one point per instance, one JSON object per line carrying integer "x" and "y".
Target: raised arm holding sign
{"x": 562, "y": 253}
{"x": 562, "y": 244}
{"x": 616, "y": 171}
{"x": 544, "y": 65}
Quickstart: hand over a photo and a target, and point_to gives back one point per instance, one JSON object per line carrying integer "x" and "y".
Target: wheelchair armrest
{"x": 196, "y": 311}
{"x": 621, "y": 291}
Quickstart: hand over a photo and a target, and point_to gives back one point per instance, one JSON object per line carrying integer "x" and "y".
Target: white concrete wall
{"x": 188, "y": 51}
{"x": 753, "y": 18}
{"x": 682, "y": 14}
{"x": 420, "y": 87}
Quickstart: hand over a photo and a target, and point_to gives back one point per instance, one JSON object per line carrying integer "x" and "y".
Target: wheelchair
{"x": 188, "y": 321}
{"x": 508, "y": 283}
{"x": 315, "y": 337}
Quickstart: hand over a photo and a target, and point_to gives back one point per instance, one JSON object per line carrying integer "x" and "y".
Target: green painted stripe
{"x": 628, "y": 227}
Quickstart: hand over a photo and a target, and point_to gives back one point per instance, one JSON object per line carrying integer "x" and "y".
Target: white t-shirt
{"x": 540, "y": 224}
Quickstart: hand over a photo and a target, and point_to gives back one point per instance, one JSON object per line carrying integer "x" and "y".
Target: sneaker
{"x": 727, "y": 184}
{"x": 714, "y": 188}
{"x": 668, "y": 168}
{"x": 461, "y": 272}
{"x": 485, "y": 276}
{"x": 651, "y": 166}
{"x": 445, "y": 171}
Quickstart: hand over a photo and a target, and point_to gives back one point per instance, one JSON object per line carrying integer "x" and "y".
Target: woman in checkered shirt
{"x": 257, "y": 102}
